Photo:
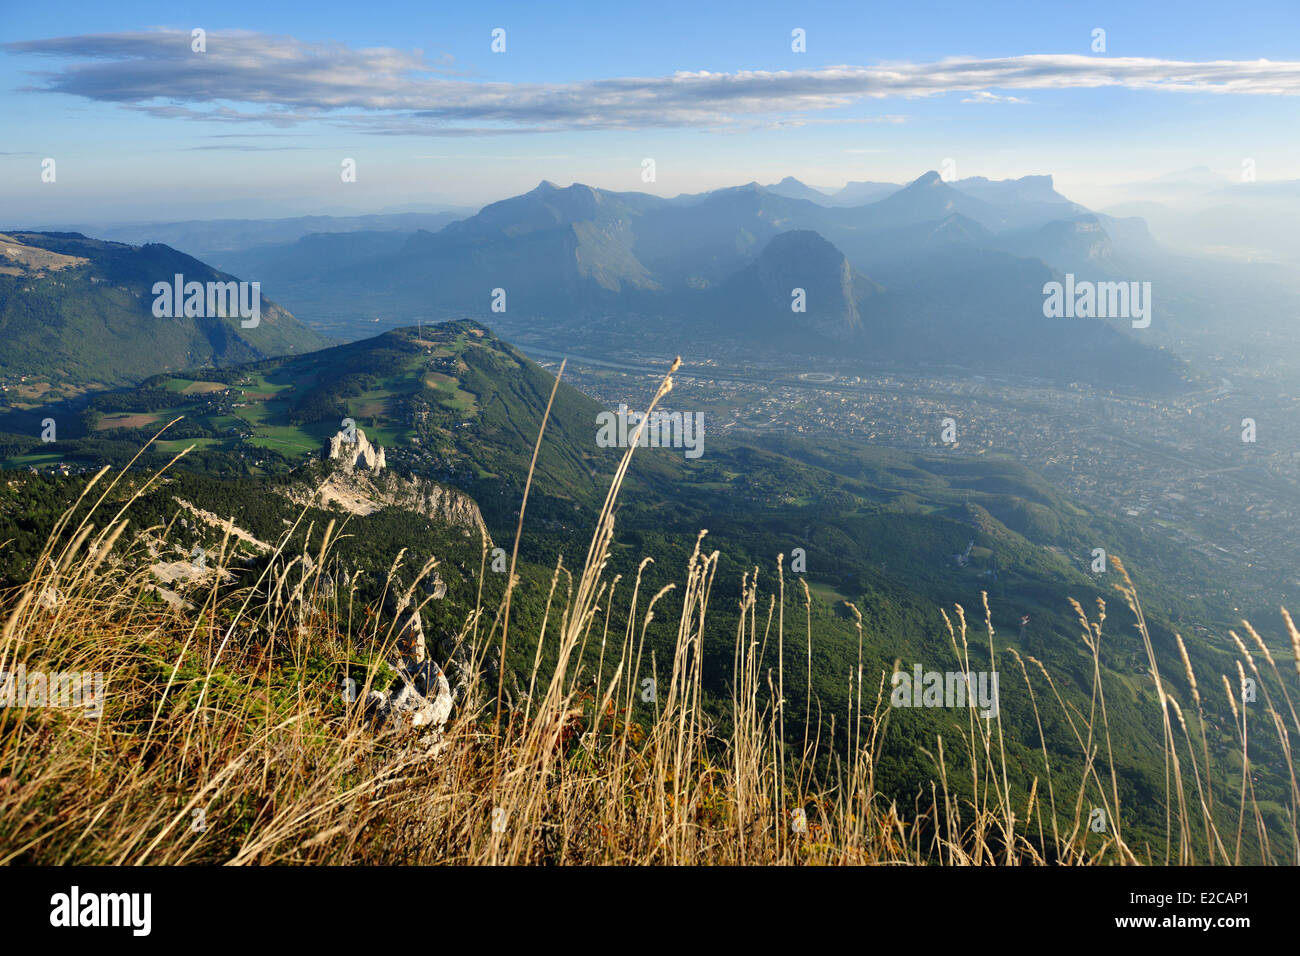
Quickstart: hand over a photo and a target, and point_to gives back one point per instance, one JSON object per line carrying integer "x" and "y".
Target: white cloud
{"x": 251, "y": 77}
{"x": 984, "y": 96}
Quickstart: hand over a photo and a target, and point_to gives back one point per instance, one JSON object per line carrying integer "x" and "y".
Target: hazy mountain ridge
{"x": 211, "y": 238}
{"x": 947, "y": 267}
{"x": 559, "y": 253}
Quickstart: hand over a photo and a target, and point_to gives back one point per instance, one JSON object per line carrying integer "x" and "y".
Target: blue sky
{"x": 140, "y": 127}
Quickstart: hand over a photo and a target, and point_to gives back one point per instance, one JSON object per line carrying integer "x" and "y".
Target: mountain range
{"x": 928, "y": 273}
{"x": 947, "y": 273}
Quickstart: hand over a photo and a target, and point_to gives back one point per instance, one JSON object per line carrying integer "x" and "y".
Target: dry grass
{"x": 231, "y": 714}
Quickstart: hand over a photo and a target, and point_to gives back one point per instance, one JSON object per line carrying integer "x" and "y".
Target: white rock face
{"x": 355, "y": 452}
{"x": 421, "y": 699}
{"x": 408, "y": 707}
{"x": 362, "y": 492}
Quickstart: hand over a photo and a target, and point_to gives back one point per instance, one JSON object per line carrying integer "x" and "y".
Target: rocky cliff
{"x": 361, "y": 492}
{"x": 352, "y": 450}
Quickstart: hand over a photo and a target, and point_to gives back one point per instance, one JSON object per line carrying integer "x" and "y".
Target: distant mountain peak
{"x": 793, "y": 188}
{"x": 805, "y": 260}
{"x": 804, "y": 240}
{"x": 1027, "y": 192}
{"x": 1036, "y": 180}
{"x": 927, "y": 179}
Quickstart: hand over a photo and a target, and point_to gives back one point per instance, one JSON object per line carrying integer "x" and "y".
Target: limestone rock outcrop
{"x": 353, "y": 451}
{"x": 361, "y": 492}
{"x": 419, "y": 698}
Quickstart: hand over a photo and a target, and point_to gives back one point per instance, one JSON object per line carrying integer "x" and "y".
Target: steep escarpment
{"x": 354, "y": 476}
